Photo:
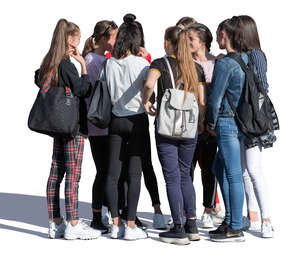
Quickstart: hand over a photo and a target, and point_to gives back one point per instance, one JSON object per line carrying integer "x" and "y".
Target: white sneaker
{"x": 106, "y": 218}
{"x": 266, "y": 230}
{"x": 135, "y": 233}
{"x": 206, "y": 221}
{"x": 57, "y": 231}
{"x": 159, "y": 221}
{"x": 255, "y": 226}
{"x": 217, "y": 217}
{"x": 117, "y": 231}
{"x": 81, "y": 231}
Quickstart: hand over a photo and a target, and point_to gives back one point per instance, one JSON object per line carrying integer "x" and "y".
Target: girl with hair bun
{"x": 102, "y": 41}
{"x": 125, "y": 74}
{"x": 148, "y": 170}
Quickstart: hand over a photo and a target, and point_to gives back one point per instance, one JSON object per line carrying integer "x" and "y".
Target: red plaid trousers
{"x": 66, "y": 159}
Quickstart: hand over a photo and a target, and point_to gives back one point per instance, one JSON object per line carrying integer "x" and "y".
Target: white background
{"x": 26, "y": 31}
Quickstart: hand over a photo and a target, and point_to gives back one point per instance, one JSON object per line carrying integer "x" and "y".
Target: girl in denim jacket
{"x": 228, "y": 77}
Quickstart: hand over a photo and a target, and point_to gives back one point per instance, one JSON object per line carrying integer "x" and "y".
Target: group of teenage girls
{"x": 122, "y": 152}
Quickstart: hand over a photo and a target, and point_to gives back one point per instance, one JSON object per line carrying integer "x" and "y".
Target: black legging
{"x": 149, "y": 177}
{"x": 99, "y": 146}
{"x": 205, "y": 152}
{"x": 126, "y": 145}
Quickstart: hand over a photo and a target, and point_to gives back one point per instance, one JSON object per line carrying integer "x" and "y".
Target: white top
{"x": 208, "y": 68}
{"x": 125, "y": 80}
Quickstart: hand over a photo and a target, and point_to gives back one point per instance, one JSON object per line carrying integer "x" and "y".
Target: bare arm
{"x": 202, "y": 106}
{"x": 152, "y": 77}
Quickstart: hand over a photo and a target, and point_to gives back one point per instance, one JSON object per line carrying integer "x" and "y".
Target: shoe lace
{"x": 84, "y": 224}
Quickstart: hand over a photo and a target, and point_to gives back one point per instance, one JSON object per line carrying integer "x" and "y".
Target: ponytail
{"x": 89, "y": 46}
{"x": 187, "y": 73}
{"x": 102, "y": 29}
{"x": 58, "y": 50}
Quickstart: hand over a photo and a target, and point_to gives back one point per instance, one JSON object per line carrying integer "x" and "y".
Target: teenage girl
{"x": 58, "y": 70}
{"x": 200, "y": 39}
{"x": 228, "y": 77}
{"x": 255, "y": 185}
{"x": 125, "y": 74}
{"x": 102, "y": 41}
{"x": 147, "y": 167}
{"x": 176, "y": 155}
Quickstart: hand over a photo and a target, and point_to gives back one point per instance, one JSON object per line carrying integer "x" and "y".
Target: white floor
{"x": 23, "y": 219}
{"x": 25, "y": 157}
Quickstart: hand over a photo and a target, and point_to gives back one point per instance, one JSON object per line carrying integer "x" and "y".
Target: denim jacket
{"x": 229, "y": 76}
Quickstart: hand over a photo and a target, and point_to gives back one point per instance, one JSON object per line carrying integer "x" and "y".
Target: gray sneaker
{"x": 56, "y": 231}
{"x": 81, "y": 231}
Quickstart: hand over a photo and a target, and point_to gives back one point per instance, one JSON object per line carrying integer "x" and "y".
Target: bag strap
{"x": 170, "y": 71}
{"x": 45, "y": 88}
{"x": 104, "y": 70}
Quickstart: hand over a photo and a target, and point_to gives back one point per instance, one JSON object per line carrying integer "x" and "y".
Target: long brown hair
{"x": 58, "y": 50}
{"x": 187, "y": 73}
{"x": 102, "y": 28}
{"x": 250, "y": 34}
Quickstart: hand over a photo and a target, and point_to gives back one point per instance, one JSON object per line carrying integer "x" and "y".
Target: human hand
{"x": 210, "y": 131}
{"x": 76, "y": 55}
{"x": 143, "y": 52}
{"x": 150, "y": 109}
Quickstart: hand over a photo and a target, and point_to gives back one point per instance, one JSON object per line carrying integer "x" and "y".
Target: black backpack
{"x": 255, "y": 114}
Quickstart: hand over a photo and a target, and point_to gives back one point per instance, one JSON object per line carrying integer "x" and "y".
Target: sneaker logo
{"x": 228, "y": 234}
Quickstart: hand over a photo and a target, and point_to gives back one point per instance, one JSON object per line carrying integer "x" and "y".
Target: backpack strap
{"x": 238, "y": 58}
{"x": 170, "y": 71}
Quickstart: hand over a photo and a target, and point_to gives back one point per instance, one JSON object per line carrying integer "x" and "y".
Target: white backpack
{"x": 178, "y": 117}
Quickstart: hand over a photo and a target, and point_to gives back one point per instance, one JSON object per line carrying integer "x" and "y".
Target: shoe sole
{"x": 267, "y": 235}
{"x": 217, "y": 221}
{"x": 210, "y": 226}
{"x": 176, "y": 241}
{"x": 67, "y": 237}
{"x": 159, "y": 228}
{"x": 194, "y": 237}
{"x": 228, "y": 240}
{"x": 55, "y": 237}
{"x": 133, "y": 239}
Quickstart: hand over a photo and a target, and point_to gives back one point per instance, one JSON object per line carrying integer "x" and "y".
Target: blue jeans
{"x": 228, "y": 170}
{"x": 175, "y": 157}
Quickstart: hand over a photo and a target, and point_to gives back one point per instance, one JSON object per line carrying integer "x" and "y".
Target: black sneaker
{"x": 175, "y": 235}
{"x": 100, "y": 226}
{"x": 222, "y": 229}
{"x": 140, "y": 224}
{"x": 232, "y": 235}
{"x": 191, "y": 230}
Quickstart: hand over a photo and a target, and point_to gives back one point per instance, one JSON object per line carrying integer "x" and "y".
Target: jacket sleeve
{"x": 36, "y": 76}
{"x": 260, "y": 64}
{"x": 219, "y": 85}
{"x": 80, "y": 86}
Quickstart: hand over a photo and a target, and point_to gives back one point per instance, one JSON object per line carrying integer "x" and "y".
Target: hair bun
{"x": 129, "y": 18}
